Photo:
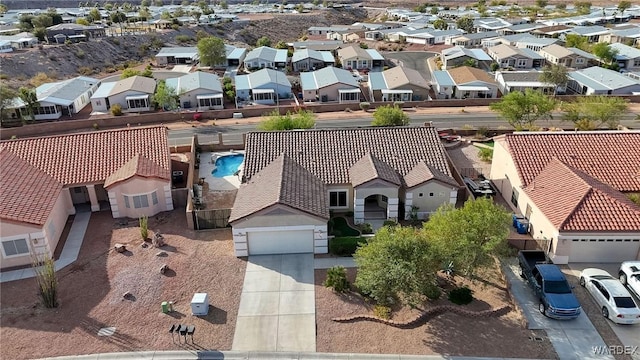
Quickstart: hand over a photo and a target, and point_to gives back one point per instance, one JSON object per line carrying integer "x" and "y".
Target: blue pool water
{"x": 227, "y": 165}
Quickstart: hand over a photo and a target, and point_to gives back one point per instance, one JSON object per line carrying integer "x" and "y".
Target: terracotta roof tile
{"x": 285, "y": 182}
{"x": 581, "y": 203}
{"x": 424, "y": 172}
{"x": 370, "y": 168}
{"x": 28, "y": 194}
{"x": 138, "y": 165}
{"x": 608, "y": 156}
{"x": 329, "y": 154}
{"x": 91, "y": 157}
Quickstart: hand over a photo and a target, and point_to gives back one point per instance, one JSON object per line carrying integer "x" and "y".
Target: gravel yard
{"x": 91, "y": 293}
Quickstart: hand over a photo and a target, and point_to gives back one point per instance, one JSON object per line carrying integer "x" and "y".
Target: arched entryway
{"x": 375, "y": 207}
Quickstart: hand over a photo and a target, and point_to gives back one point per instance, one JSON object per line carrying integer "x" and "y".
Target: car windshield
{"x": 557, "y": 287}
{"x": 624, "y": 302}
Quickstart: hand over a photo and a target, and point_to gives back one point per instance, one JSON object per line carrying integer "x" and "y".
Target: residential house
{"x": 509, "y": 81}
{"x": 350, "y": 35}
{"x": 471, "y": 40}
{"x": 200, "y": 90}
{"x": 521, "y": 41}
{"x": 330, "y": 84}
{"x": 629, "y": 35}
{"x": 458, "y": 56}
{"x": 325, "y": 45}
{"x": 307, "y": 59}
{"x": 177, "y": 55}
{"x": 46, "y": 179}
{"x": 324, "y": 30}
{"x": 519, "y": 29}
{"x": 133, "y": 94}
{"x": 5, "y": 46}
{"x": 354, "y": 57}
{"x": 443, "y": 84}
{"x": 574, "y": 191}
{"x": 600, "y": 81}
{"x": 294, "y": 180}
{"x": 508, "y": 56}
{"x": 442, "y": 36}
{"x": 398, "y": 84}
{"x": 20, "y": 41}
{"x": 489, "y": 24}
{"x": 567, "y": 57}
{"x": 266, "y": 86}
{"x": 266, "y": 57}
{"x": 472, "y": 83}
{"x": 59, "y": 34}
{"x": 627, "y": 57}
{"x": 553, "y": 31}
{"x": 235, "y": 55}
{"x": 592, "y": 33}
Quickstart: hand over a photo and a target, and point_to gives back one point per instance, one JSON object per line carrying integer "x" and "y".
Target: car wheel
{"x": 605, "y": 312}
{"x": 623, "y": 278}
{"x": 543, "y": 309}
{"x": 581, "y": 281}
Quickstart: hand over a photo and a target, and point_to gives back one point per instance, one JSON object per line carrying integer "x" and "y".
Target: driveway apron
{"x": 277, "y": 305}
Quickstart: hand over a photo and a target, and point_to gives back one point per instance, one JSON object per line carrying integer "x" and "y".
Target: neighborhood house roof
{"x": 458, "y": 51}
{"x": 261, "y": 78}
{"x": 423, "y": 172}
{"x": 602, "y": 79}
{"x": 504, "y": 51}
{"x": 134, "y": 83}
{"x": 190, "y": 52}
{"x": 138, "y": 165}
{"x": 574, "y": 201}
{"x": 194, "y": 81}
{"x": 610, "y": 157}
{"x": 397, "y": 77}
{"x": 65, "y": 92}
{"x": 557, "y": 51}
{"x": 327, "y": 76}
{"x": 625, "y": 52}
{"x": 268, "y": 54}
{"x": 352, "y": 52}
{"x": 302, "y": 54}
{"x": 442, "y": 78}
{"x": 104, "y": 90}
{"x": 466, "y": 74}
{"x": 370, "y": 168}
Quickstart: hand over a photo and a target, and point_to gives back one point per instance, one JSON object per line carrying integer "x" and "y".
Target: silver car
{"x": 613, "y": 298}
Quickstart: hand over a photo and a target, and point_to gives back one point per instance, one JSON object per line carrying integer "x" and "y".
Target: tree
{"x": 224, "y": 4}
{"x": 623, "y": 5}
{"x": 555, "y": 75}
{"x": 576, "y": 41}
{"x": 211, "y": 50}
{"x": 42, "y": 21}
{"x": 542, "y": 3}
{"x": 263, "y": 41}
{"x": 30, "y": 100}
{"x": 282, "y": 45}
{"x": 145, "y": 3}
{"x": 469, "y": 236}
{"x": 583, "y": 7}
{"x": 440, "y": 24}
{"x": 6, "y": 99}
{"x": 158, "y": 2}
{"x": 3, "y": 9}
{"x": 95, "y": 15}
{"x": 465, "y": 23}
{"x": 82, "y": 21}
{"x": 397, "y": 264}
{"x": 117, "y": 17}
{"x": 165, "y": 96}
{"x": 604, "y": 52}
{"x": 196, "y": 15}
{"x": 300, "y": 120}
{"x": 127, "y": 73}
{"x": 523, "y": 109}
{"x": 591, "y": 112}
{"x": 389, "y": 115}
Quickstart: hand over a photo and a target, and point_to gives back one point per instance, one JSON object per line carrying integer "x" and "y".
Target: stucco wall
{"x": 121, "y": 99}
{"x": 503, "y": 170}
{"x": 278, "y": 215}
{"x": 349, "y": 189}
{"x": 139, "y": 186}
{"x": 427, "y": 204}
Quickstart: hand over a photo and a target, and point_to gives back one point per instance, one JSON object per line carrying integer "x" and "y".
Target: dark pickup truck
{"x": 549, "y": 284}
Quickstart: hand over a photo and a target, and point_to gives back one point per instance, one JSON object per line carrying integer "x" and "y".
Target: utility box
{"x": 200, "y": 304}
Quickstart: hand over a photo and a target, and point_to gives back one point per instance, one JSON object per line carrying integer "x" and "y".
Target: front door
{"x": 79, "y": 195}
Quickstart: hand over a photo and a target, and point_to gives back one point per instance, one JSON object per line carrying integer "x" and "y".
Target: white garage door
{"x": 604, "y": 250}
{"x": 280, "y": 242}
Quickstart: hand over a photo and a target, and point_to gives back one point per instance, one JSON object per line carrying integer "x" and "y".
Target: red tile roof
{"x": 610, "y": 157}
{"x": 27, "y": 194}
{"x": 91, "y": 157}
{"x": 138, "y": 165}
{"x": 581, "y": 203}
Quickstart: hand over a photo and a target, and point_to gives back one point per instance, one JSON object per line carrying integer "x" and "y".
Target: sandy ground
{"x": 91, "y": 293}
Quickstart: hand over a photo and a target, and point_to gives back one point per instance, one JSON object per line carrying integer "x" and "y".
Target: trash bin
{"x": 165, "y": 307}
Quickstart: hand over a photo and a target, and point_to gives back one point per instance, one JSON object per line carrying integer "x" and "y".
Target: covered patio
{"x": 210, "y": 101}
{"x": 264, "y": 96}
{"x": 137, "y": 102}
{"x": 397, "y": 95}
{"x": 473, "y": 92}
{"x": 349, "y": 95}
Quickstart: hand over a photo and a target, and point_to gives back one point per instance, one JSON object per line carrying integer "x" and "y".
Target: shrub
{"x": 337, "y": 279}
{"x": 116, "y": 110}
{"x": 389, "y": 223}
{"x": 85, "y": 70}
{"x": 485, "y": 154}
{"x": 96, "y": 126}
{"x": 482, "y": 131}
{"x": 382, "y": 312}
{"x": 80, "y": 54}
{"x": 45, "y": 270}
{"x": 365, "y": 228}
{"x": 183, "y": 38}
{"x": 344, "y": 246}
{"x": 364, "y": 106}
{"x": 144, "y": 229}
{"x": 634, "y": 197}
{"x": 432, "y": 292}
{"x": 461, "y": 296}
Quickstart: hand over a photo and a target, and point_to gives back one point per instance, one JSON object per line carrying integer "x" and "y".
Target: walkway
{"x": 329, "y": 262}
{"x": 277, "y": 305}
{"x": 69, "y": 252}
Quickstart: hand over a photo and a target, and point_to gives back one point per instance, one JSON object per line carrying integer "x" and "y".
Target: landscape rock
{"x": 161, "y": 254}
{"x": 158, "y": 240}
{"x": 144, "y": 245}
{"x": 164, "y": 269}
{"x": 120, "y": 248}
{"x": 127, "y": 295}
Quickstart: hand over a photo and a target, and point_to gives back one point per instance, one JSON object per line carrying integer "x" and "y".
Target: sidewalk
{"x": 69, "y": 252}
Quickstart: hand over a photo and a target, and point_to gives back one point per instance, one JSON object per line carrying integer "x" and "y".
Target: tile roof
{"x": 609, "y": 156}
{"x": 282, "y": 181}
{"x": 370, "y": 168}
{"x": 424, "y": 172}
{"x": 91, "y": 157}
{"x": 330, "y": 153}
{"x": 138, "y": 165}
{"x": 465, "y": 74}
{"x": 28, "y": 194}
{"x": 579, "y": 202}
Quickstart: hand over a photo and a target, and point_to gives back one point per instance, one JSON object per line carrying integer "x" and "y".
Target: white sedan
{"x": 629, "y": 274}
{"x": 613, "y": 298}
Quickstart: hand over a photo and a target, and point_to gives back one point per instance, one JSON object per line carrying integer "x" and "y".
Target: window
{"x": 522, "y": 62}
{"x": 98, "y": 103}
{"x": 210, "y": 102}
{"x": 350, "y": 96}
{"x": 636, "y": 62}
{"x": 140, "y": 201}
{"x": 137, "y": 103}
{"x": 420, "y": 195}
{"x": 579, "y": 61}
{"x": 15, "y": 247}
{"x": 338, "y": 198}
{"x": 514, "y": 197}
{"x": 154, "y": 198}
{"x": 431, "y": 194}
{"x": 263, "y": 96}
{"x": 126, "y": 202}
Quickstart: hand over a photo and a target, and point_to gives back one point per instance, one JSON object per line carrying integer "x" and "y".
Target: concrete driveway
{"x": 629, "y": 335}
{"x": 277, "y": 306}
{"x": 572, "y": 339}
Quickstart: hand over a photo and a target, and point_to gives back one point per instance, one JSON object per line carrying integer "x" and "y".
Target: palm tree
{"x": 554, "y": 75}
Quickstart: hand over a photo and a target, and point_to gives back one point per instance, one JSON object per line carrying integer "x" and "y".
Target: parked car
{"x": 557, "y": 300}
{"x": 614, "y": 300}
{"x": 629, "y": 275}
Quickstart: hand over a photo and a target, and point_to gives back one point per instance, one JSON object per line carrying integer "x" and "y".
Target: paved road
{"x": 416, "y": 60}
{"x": 232, "y": 134}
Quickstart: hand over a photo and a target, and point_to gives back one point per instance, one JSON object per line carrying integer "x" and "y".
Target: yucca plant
{"x": 45, "y": 269}
{"x": 144, "y": 229}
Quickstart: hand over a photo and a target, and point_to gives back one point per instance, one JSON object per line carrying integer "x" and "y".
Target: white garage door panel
{"x": 603, "y": 251}
{"x": 280, "y": 242}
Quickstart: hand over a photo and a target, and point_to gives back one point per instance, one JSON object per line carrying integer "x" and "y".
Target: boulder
{"x": 120, "y": 248}
{"x": 164, "y": 269}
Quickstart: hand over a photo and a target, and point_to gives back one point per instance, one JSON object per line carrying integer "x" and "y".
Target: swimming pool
{"x": 227, "y": 165}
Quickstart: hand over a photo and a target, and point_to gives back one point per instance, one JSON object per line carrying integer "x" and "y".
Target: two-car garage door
{"x": 280, "y": 242}
{"x": 604, "y": 250}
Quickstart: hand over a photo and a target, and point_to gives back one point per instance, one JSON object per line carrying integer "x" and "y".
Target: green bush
{"x": 345, "y": 246}
{"x": 337, "y": 279}
{"x": 144, "y": 227}
{"x": 116, "y": 110}
{"x": 45, "y": 270}
{"x": 485, "y": 154}
{"x": 183, "y": 38}
{"x": 461, "y": 296}
{"x": 389, "y": 223}
{"x": 432, "y": 292}
{"x": 340, "y": 224}
{"x": 365, "y": 106}
{"x": 382, "y": 312}
{"x": 366, "y": 228}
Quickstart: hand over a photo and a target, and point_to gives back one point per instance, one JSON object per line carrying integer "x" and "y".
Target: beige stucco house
{"x": 330, "y": 84}
{"x": 573, "y": 188}
{"x": 398, "y": 84}
{"x": 46, "y": 179}
{"x": 294, "y": 180}
{"x": 133, "y": 94}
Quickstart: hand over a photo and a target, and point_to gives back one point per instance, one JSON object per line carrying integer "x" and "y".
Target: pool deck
{"x": 226, "y": 183}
